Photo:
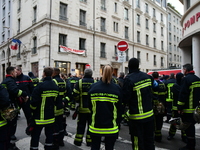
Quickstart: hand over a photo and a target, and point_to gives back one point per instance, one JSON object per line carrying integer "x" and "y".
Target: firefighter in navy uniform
{"x": 44, "y": 99}
{"x": 80, "y": 94}
{"x": 64, "y": 91}
{"x": 73, "y": 80}
{"x": 137, "y": 94}
{"x": 10, "y": 84}
{"x": 169, "y": 99}
{"x": 176, "y": 91}
{"x": 4, "y": 134}
{"x": 34, "y": 79}
{"x": 187, "y": 102}
{"x": 159, "y": 100}
{"x": 105, "y": 103}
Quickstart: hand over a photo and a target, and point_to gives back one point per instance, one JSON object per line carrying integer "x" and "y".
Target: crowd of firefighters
{"x": 139, "y": 100}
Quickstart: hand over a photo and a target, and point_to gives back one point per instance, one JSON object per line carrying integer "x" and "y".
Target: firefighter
{"x": 176, "y": 91}
{"x": 187, "y": 102}
{"x": 169, "y": 99}
{"x": 159, "y": 100}
{"x": 4, "y": 134}
{"x": 80, "y": 94}
{"x": 105, "y": 103}
{"x": 73, "y": 80}
{"x": 137, "y": 94}
{"x": 44, "y": 99}
{"x": 10, "y": 84}
{"x": 34, "y": 79}
{"x": 60, "y": 113}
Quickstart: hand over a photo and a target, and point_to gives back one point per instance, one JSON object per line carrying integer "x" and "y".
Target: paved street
{"x": 23, "y": 141}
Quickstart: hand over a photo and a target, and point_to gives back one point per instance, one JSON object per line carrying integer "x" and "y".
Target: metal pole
{"x": 94, "y": 35}
{"x": 8, "y": 54}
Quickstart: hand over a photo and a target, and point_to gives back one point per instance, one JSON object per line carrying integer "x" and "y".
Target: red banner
{"x": 66, "y": 49}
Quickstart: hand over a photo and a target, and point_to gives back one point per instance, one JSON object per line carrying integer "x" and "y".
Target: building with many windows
{"x": 95, "y": 26}
{"x": 190, "y": 43}
{"x": 174, "y": 36}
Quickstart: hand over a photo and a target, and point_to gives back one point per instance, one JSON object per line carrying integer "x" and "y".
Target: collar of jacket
{"x": 47, "y": 78}
{"x": 8, "y": 75}
{"x": 87, "y": 76}
{"x": 21, "y": 75}
{"x": 133, "y": 70}
{"x": 191, "y": 72}
{"x": 56, "y": 76}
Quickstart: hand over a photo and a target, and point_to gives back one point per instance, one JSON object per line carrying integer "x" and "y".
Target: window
{"x": 174, "y": 38}
{"x": 154, "y": 60}
{"x": 9, "y": 5}
{"x": 138, "y": 36}
{"x": 126, "y": 33}
{"x": 154, "y": 27}
{"x": 147, "y": 23}
{"x": 125, "y": 13}
{"x": 174, "y": 47}
{"x": 161, "y": 61}
{"x": 158, "y": 1}
{"x": 9, "y": 20}
{"x": 83, "y": 18}
{"x": 162, "y": 45}
{"x": 146, "y": 8}
{"x": 147, "y": 39}
{"x": 187, "y": 4}
{"x": 103, "y": 50}
{"x": 115, "y": 26}
{"x": 170, "y": 27}
{"x": 161, "y": 17}
{"x": 174, "y": 19}
{"x": 115, "y": 7}
{"x": 154, "y": 42}
{"x": 63, "y": 12}
{"x": 147, "y": 56}
{"x": 169, "y": 17}
{"x": 82, "y": 44}
{"x": 18, "y": 26}
{"x": 103, "y": 5}
{"x": 62, "y": 39}
{"x": 3, "y": 37}
{"x": 174, "y": 29}
{"x": 170, "y": 47}
{"x": 170, "y": 37}
{"x": 3, "y": 27}
{"x": 138, "y": 3}
{"x": 127, "y": 57}
{"x": 170, "y": 57}
{"x": 177, "y": 21}
{"x": 19, "y": 6}
{"x": 177, "y": 39}
{"x": 103, "y": 24}
{"x": 83, "y": 1}
{"x": 138, "y": 19}
{"x": 162, "y": 31}
{"x": 4, "y": 12}
{"x": 154, "y": 12}
{"x": 34, "y": 49}
{"x": 138, "y": 56}
{"x": 34, "y": 14}
{"x": 174, "y": 57}
{"x": 177, "y": 58}
{"x": 115, "y": 50}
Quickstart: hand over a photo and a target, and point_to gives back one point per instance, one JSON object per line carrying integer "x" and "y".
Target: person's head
{"x": 30, "y": 74}
{"x": 56, "y": 71}
{"x": 172, "y": 76}
{"x": 165, "y": 77}
{"x": 179, "y": 77}
{"x": 11, "y": 71}
{"x": 107, "y": 74}
{"x": 187, "y": 68}
{"x": 155, "y": 75}
{"x": 69, "y": 75}
{"x": 88, "y": 72}
{"x": 63, "y": 76}
{"x": 133, "y": 64}
{"x": 18, "y": 70}
{"x": 121, "y": 74}
{"x": 48, "y": 71}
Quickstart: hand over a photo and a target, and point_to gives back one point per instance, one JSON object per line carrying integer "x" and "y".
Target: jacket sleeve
{"x": 4, "y": 98}
{"x": 127, "y": 91}
{"x": 14, "y": 90}
{"x": 119, "y": 107}
{"x": 183, "y": 95}
{"x": 76, "y": 92}
{"x": 36, "y": 97}
{"x": 30, "y": 85}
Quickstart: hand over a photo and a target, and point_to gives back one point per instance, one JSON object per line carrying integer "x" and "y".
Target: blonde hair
{"x": 107, "y": 74}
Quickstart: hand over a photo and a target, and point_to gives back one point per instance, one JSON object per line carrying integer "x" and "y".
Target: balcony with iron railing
{"x": 61, "y": 17}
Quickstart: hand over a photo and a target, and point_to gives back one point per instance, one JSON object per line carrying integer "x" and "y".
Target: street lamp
{"x": 8, "y": 49}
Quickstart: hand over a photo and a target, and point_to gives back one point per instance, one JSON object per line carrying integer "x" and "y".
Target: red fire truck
{"x": 166, "y": 72}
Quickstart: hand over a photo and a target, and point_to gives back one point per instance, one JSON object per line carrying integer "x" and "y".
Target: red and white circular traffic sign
{"x": 122, "y": 46}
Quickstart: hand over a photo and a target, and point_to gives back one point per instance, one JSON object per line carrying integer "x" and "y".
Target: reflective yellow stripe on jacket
{"x": 104, "y": 130}
{"x": 3, "y": 123}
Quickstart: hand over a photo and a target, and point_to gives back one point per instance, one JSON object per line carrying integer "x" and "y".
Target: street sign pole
{"x": 122, "y": 46}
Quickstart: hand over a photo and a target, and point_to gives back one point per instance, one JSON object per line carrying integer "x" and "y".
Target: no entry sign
{"x": 122, "y": 46}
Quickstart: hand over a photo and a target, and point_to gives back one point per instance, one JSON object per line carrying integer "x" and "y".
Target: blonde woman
{"x": 105, "y": 99}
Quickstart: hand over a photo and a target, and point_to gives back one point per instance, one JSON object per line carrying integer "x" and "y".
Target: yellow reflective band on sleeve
{"x": 79, "y": 135}
{"x": 181, "y": 103}
{"x": 50, "y": 95}
{"x": 174, "y": 108}
{"x": 136, "y": 143}
{"x": 73, "y": 81}
{"x": 114, "y": 100}
{"x": 61, "y": 93}
{"x": 84, "y": 110}
{"x": 188, "y": 111}
{"x": 104, "y": 130}
{"x": 76, "y": 91}
{"x": 32, "y": 107}
{"x": 141, "y": 116}
{"x": 141, "y": 86}
{"x": 42, "y": 122}
{"x": 155, "y": 93}
{"x": 59, "y": 112}
{"x": 169, "y": 100}
{"x": 162, "y": 93}
{"x": 84, "y": 93}
{"x": 3, "y": 123}
{"x": 56, "y": 82}
{"x": 19, "y": 93}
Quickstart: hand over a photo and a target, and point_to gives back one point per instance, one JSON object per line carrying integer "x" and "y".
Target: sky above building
{"x": 178, "y": 5}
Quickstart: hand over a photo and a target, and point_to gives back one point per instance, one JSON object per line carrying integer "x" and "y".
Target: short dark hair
{"x": 48, "y": 71}
{"x": 155, "y": 74}
{"x": 18, "y": 68}
{"x": 56, "y": 71}
{"x": 188, "y": 67}
{"x": 9, "y": 70}
{"x": 133, "y": 63}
